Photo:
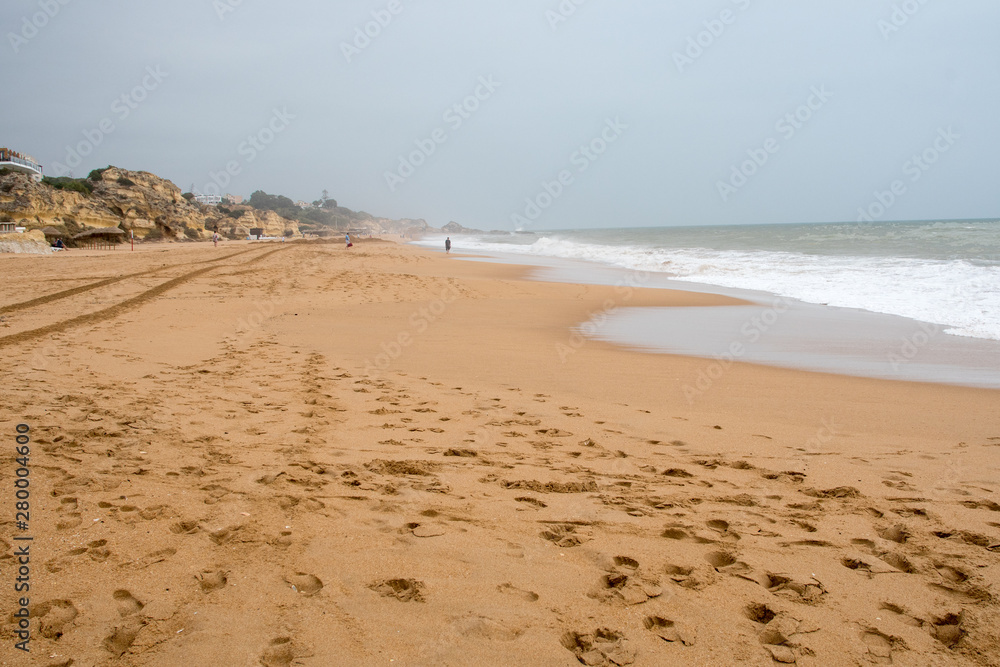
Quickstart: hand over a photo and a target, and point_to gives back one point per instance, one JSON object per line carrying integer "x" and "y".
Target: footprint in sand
{"x": 794, "y": 588}
{"x": 281, "y": 652}
{"x": 404, "y": 590}
{"x": 127, "y": 603}
{"x": 904, "y": 616}
{"x": 759, "y": 613}
{"x": 899, "y": 562}
{"x": 184, "y": 528}
{"x": 898, "y": 533}
{"x": 70, "y": 518}
{"x": 724, "y": 530}
{"x": 981, "y": 504}
{"x": 423, "y": 530}
{"x": 856, "y": 564}
{"x": 565, "y": 535}
{"x": 668, "y": 630}
{"x": 720, "y": 559}
{"x": 304, "y": 584}
{"x": 121, "y": 638}
{"x": 98, "y": 550}
{"x": 879, "y": 646}
{"x": 54, "y": 617}
{"x": 601, "y": 647}
{"x": 510, "y": 589}
{"x": 623, "y": 582}
{"x": 683, "y": 534}
{"x": 482, "y": 627}
{"x": 951, "y": 574}
{"x": 283, "y": 540}
{"x": 464, "y": 453}
{"x": 211, "y": 580}
{"x": 867, "y": 545}
{"x": 948, "y": 629}
{"x": 682, "y": 576}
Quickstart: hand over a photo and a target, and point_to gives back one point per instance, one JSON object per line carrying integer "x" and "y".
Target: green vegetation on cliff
{"x": 81, "y": 185}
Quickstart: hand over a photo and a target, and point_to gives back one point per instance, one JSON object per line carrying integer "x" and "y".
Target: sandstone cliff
{"x": 132, "y": 200}
{"x": 32, "y": 242}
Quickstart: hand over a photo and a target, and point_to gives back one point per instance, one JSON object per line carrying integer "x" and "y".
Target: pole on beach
{"x": 131, "y": 233}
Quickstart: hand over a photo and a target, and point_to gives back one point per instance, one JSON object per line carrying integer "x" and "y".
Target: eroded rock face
{"x": 136, "y": 201}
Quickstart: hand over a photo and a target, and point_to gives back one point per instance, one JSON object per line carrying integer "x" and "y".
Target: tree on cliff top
{"x": 262, "y": 201}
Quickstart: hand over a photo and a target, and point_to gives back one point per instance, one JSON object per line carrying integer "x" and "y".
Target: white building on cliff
{"x": 20, "y": 162}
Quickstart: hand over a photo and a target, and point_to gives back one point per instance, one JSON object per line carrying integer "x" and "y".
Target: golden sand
{"x": 298, "y": 454}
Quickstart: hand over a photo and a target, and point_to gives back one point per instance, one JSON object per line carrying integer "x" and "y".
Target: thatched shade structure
{"x": 51, "y": 231}
{"x": 102, "y": 237}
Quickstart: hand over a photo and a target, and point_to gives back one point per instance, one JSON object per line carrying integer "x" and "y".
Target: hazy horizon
{"x": 533, "y": 115}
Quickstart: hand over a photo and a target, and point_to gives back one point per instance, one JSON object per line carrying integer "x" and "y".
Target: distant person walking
{"x": 215, "y": 239}
{"x": 447, "y": 245}
{"x": 347, "y": 239}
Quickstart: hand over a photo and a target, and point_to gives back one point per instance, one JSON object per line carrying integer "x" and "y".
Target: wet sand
{"x": 299, "y": 454}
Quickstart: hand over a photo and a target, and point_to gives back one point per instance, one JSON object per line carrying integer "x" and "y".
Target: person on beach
{"x": 347, "y": 239}
{"x": 447, "y": 245}
{"x": 215, "y": 239}
{"x": 59, "y": 244}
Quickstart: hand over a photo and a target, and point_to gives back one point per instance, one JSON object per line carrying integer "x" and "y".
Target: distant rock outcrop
{"x": 455, "y": 228}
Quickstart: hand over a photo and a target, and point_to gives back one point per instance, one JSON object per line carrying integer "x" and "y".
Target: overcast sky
{"x": 682, "y": 106}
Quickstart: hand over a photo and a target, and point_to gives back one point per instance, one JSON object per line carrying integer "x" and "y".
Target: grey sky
{"x": 879, "y": 96}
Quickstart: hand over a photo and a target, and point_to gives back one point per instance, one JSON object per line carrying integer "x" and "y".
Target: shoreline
{"x": 812, "y": 337}
{"x": 223, "y": 468}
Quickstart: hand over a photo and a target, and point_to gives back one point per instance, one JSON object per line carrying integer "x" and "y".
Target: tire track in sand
{"x": 73, "y": 291}
{"x": 119, "y": 308}
{"x": 105, "y": 314}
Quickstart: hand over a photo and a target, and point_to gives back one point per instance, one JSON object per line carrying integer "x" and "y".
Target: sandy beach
{"x": 299, "y": 454}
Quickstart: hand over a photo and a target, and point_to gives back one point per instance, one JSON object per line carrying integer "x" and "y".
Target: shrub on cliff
{"x": 262, "y": 201}
{"x": 81, "y": 185}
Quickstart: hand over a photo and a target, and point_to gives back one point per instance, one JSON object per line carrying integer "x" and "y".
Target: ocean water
{"x": 942, "y": 272}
